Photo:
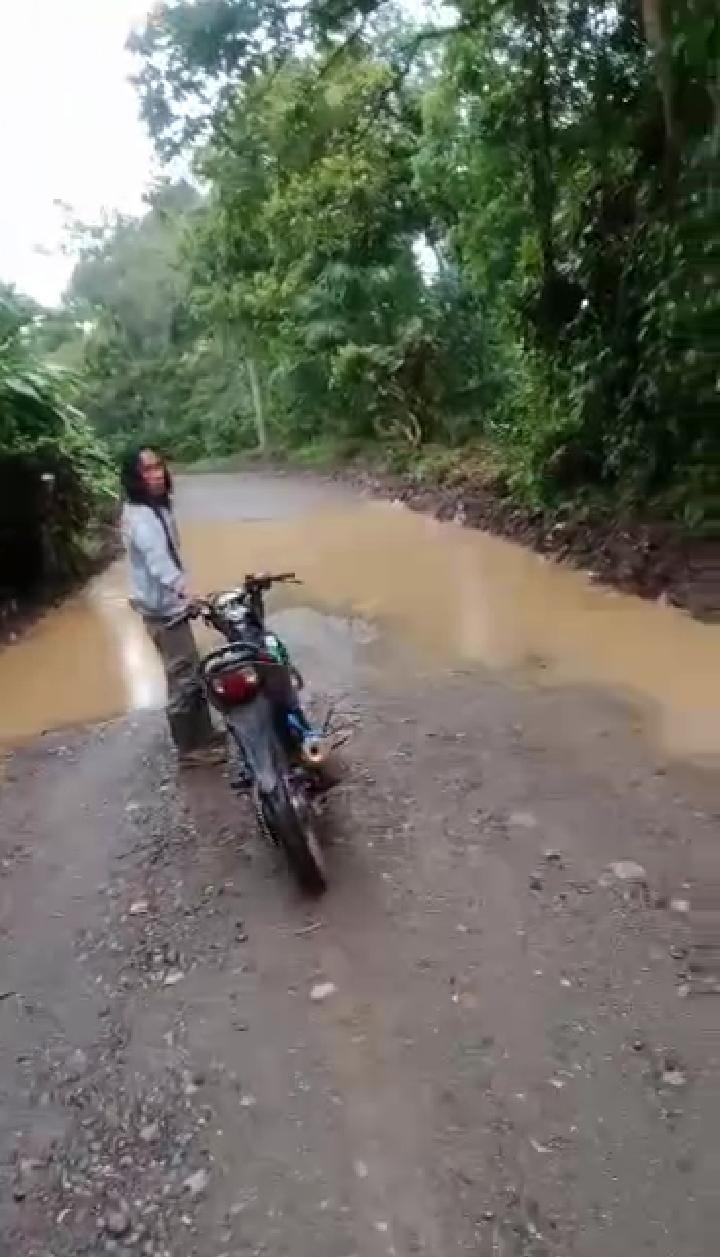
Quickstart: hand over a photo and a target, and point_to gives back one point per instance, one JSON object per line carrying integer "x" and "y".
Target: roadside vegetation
{"x": 56, "y": 481}
{"x": 483, "y": 238}
{"x": 495, "y": 228}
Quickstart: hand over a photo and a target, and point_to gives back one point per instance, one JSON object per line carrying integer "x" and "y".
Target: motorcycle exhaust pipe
{"x": 314, "y": 752}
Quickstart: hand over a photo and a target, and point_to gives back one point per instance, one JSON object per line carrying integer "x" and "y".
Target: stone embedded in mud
{"x": 76, "y": 1065}
{"x": 628, "y": 871}
{"x": 523, "y": 820}
{"x": 118, "y": 1222}
{"x": 671, "y": 1071}
{"x": 322, "y": 991}
{"x": 197, "y": 1183}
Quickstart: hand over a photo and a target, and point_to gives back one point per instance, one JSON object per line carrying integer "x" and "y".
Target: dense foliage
{"x": 501, "y": 230}
{"x": 55, "y": 480}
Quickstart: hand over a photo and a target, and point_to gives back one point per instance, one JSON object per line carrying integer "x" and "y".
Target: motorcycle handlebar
{"x": 269, "y": 578}
{"x": 263, "y": 581}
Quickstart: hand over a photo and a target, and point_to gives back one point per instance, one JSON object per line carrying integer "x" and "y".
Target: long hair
{"x": 133, "y": 485}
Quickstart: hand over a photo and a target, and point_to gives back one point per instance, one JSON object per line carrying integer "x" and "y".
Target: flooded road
{"x": 436, "y": 597}
{"x": 492, "y": 1037}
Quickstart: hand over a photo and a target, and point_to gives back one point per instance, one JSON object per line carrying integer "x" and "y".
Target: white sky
{"x": 69, "y": 129}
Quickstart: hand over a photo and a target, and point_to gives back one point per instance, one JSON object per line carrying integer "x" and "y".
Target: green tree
{"x": 190, "y": 53}
{"x": 306, "y": 249}
{"x": 562, "y": 160}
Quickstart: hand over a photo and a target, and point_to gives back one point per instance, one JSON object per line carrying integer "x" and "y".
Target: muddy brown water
{"x": 440, "y": 596}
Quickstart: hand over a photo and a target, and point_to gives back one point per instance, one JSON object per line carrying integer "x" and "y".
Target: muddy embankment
{"x": 53, "y": 538}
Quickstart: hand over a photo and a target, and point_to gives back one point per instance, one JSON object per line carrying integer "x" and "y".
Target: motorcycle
{"x": 254, "y": 686}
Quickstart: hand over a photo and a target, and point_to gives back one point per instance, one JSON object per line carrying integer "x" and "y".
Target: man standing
{"x": 159, "y": 592}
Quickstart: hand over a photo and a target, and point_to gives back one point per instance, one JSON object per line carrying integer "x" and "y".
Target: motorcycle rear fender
{"x": 252, "y": 726}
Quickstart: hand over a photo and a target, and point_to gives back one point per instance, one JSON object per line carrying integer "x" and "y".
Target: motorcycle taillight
{"x": 238, "y": 686}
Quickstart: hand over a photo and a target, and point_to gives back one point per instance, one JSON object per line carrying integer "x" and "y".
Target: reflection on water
{"x": 453, "y": 595}
{"x": 460, "y": 596}
{"x": 140, "y": 672}
{"x": 86, "y": 661}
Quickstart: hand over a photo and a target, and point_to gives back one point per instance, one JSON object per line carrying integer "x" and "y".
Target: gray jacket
{"x": 156, "y": 579}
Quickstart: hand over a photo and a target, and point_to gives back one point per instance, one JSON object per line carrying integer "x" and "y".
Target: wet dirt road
{"x": 516, "y": 1054}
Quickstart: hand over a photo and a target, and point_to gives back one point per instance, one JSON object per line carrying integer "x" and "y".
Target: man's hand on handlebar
{"x": 191, "y": 598}
{"x": 197, "y": 605}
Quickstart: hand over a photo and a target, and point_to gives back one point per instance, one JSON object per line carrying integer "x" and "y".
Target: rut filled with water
{"x": 441, "y": 597}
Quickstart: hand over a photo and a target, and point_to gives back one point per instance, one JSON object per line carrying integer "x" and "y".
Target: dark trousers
{"x": 187, "y": 710}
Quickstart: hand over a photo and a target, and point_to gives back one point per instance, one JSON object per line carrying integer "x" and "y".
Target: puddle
{"x": 449, "y": 597}
{"x": 86, "y": 661}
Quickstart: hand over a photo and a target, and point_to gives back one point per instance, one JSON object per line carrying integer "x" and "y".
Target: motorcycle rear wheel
{"x": 290, "y": 822}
